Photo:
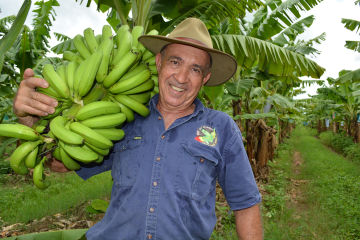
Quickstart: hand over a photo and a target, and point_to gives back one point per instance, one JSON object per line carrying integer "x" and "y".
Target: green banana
{"x": 124, "y": 109}
{"x": 96, "y": 109}
{"x": 124, "y": 41}
{"x": 136, "y": 32}
{"x": 90, "y": 39}
{"x": 17, "y": 158}
{"x": 131, "y": 82}
{"x": 148, "y": 85}
{"x": 99, "y": 151}
{"x": 107, "y": 47}
{"x": 49, "y": 91}
{"x": 106, "y": 33}
{"x": 153, "y": 69}
{"x": 88, "y": 77}
{"x": 18, "y": 131}
{"x": 150, "y": 61}
{"x": 68, "y": 162}
{"x": 91, "y": 136}
{"x": 38, "y": 175}
{"x": 79, "y": 153}
{"x": 119, "y": 69}
{"x": 100, "y": 159}
{"x": 72, "y": 57}
{"x": 70, "y": 76}
{"x": 97, "y": 92}
{"x": 133, "y": 104}
{"x": 155, "y": 78}
{"x": 98, "y": 38}
{"x": 113, "y": 134}
{"x": 54, "y": 80}
{"x": 105, "y": 121}
{"x": 61, "y": 71}
{"x": 30, "y": 160}
{"x": 81, "y": 47}
{"x": 56, "y": 154}
{"x": 147, "y": 54}
{"x": 133, "y": 72}
{"x": 57, "y": 127}
{"x": 141, "y": 97}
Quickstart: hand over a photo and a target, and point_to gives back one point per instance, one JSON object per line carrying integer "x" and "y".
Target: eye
{"x": 196, "y": 70}
{"x": 174, "y": 62}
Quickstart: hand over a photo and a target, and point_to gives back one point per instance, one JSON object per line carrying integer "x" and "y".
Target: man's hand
{"x": 248, "y": 223}
{"x": 28, "y": 102}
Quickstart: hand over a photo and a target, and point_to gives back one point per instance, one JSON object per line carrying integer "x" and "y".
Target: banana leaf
{"x": 7, "y": 41}
{"x": 75, "y": 234}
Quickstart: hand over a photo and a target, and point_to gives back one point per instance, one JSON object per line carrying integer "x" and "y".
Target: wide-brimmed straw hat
{"x": 223, "y": 65}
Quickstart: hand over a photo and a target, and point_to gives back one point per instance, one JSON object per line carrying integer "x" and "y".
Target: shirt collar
{"x": 199, "y": 107}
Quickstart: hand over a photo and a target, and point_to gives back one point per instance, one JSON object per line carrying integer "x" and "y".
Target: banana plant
{"x": 22, "y": 47}
{"x": 352, "y": 25}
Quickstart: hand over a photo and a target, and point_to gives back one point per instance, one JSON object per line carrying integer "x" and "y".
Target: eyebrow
{"x": 181, "y": 60}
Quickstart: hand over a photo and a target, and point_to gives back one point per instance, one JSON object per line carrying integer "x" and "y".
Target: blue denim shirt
{"x": 164, "y": 180}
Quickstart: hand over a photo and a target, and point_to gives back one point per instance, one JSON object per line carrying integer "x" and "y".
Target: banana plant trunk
{"x": 236, "y": 106}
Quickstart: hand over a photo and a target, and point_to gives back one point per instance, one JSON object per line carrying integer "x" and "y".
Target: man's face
{"x": 182, "y": 71}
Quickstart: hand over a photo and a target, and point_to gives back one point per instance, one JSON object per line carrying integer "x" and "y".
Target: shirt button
{"x": 154, "y": 184}
{"x": 159, "y": 118}
{"x": 149, "y": 236}
{"x": 163, "y": 136}
{"x": 202, "y": 160}
{"x": 151, "y": 209}
{"x": 158, "y": 159}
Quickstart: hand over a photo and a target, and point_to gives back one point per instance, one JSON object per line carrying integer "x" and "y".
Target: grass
{"x": 21, "y": 201}
{"x": 330, "y": 206}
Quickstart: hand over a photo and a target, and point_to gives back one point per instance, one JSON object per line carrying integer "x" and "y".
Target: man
{"x": 166, "y": 167}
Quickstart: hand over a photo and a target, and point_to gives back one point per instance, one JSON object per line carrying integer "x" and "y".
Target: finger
{"x": 28, "y": 73}
{"x": 34, "y": 83}
{"x": 44, "y": 99}
{"x": 40, "y": 106}
{"x": 34, "y": 111}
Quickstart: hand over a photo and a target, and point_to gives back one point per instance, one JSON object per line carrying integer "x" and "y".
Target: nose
{"x": 181, "y": 75}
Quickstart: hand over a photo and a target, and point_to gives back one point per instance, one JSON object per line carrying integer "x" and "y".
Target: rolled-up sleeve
{"x": 236, "y": 177}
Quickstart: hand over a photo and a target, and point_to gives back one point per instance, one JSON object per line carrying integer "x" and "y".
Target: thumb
{"x": 28, "y": 73}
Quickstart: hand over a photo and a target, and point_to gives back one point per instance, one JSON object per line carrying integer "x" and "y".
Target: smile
{"x": 177, "y": 89}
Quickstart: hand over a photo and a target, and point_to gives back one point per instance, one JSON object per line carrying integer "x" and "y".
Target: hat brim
{"x": 223, "y": 65}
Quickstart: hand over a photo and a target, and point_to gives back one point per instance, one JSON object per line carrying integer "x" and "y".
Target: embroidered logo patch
{"x": 206, "y": 135}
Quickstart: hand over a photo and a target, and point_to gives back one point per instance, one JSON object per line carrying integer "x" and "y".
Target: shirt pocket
{"x": 127, "y": 163}
{"x": 196, "y": 174}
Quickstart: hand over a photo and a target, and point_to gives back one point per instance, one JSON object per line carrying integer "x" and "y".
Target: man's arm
{"x": 248, "y": 223}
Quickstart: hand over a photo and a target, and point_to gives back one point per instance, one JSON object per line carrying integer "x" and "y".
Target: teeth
{"x": 177, "y": 89}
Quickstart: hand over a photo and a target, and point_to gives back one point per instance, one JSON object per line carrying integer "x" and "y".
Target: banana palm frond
{"x": 271, "y": 25}
{"x": 4, "y": 24}
{"x": 61, "y": 37}
{"x": 353, "y": 45}
{"x": 352, "y": 25}
{"x": 66, "y": 45}
{"x": 305, "y": 83}
{"x": 44, "y": 14}
{"x": 282, "y": 102}
{"x": 352, "y": 76}
{"x": 238, "y": 88}
{"x": 269, "y": 57}
{"x": 293, "y": 31}
{"x": 211, "y": 13}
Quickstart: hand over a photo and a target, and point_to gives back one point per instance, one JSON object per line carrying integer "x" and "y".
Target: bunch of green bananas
{"x": 99, "y": 87}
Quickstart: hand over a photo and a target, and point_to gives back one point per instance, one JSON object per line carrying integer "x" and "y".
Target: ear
{"x": 206, "y": 78}
{"x": 158, "y": 61}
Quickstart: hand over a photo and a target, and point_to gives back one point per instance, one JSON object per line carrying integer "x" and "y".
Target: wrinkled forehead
{"x": 175, "y": 45}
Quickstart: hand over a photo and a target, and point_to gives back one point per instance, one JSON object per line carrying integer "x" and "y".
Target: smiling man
{"x": 165, "y": 169}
